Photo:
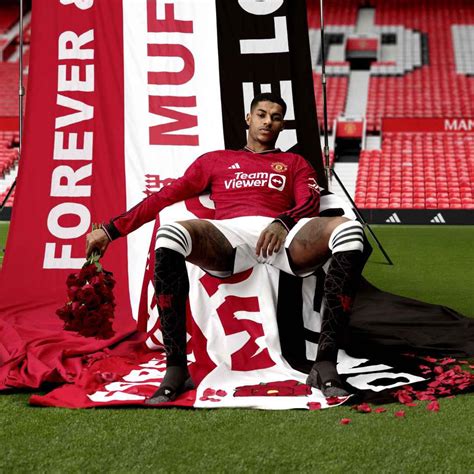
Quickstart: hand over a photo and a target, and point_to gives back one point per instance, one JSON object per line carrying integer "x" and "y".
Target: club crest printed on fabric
{"x": 279, "y": 167}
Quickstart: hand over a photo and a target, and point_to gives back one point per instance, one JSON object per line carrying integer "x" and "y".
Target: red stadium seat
{"x": 398, "y": 177}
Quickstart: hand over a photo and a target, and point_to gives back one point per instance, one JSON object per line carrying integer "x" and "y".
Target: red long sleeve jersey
{"x": 242, "y": 183}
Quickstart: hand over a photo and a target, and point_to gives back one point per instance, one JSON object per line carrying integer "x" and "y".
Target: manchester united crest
{"x": 350, "y": 128}
{"x": 279, "y": 167}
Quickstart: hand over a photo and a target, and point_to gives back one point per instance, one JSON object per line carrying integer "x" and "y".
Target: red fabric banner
{"x": 71, "y": 174}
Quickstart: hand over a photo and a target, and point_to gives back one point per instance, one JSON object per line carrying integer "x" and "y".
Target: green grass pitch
{"x": 434, "y": 264}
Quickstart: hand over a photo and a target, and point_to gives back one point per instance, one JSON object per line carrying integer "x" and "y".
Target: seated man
{"x": 266, "y": 203}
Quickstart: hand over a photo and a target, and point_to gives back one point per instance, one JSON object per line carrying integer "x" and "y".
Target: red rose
{"x": 91, "y": 322}
{"x": 72, "y": 293}
{"x": 105, "y": 331}
{"x": 97, "y": 280}
{"x": 90, "y": 310}
{"x": 88, "y": 272}
{"x": 109, "y": 280}
{"x": 106, "y": 311}
{"x": 72, "y": 280}
{"x": 65, "y": 313}
{"x": 105, "y": 294}
{"x": 89, "y": 297}
{"x": 80, "y": 311}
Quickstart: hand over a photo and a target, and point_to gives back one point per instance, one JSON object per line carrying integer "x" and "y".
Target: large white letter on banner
{"x": 70, "y": 45}
{"x": 256, "y": 7}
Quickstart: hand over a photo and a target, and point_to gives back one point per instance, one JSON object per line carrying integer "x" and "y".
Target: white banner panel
{"x": 172, "y": 102}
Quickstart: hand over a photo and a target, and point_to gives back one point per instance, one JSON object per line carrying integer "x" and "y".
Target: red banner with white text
{"x": 72, "y": 173}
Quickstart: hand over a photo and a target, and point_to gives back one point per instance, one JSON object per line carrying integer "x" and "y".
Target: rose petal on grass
{"x": 400, "y": 413}
{"x": 433, "y": 406}
{"x": 380, "y": 410}
{"x": 363, "y": 408}
{"x": 345, "y": 421}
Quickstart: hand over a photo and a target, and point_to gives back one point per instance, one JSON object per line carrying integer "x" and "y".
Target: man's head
{"x": 265, "y": 121}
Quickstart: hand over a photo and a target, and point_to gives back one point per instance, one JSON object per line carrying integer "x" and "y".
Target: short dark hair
{"x": 268, "y": 97}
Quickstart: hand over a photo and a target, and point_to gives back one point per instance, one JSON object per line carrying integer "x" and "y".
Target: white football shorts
{"x": 243, "y": 234}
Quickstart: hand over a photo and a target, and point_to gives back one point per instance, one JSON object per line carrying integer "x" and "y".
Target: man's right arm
{"x": 194, "y": 181}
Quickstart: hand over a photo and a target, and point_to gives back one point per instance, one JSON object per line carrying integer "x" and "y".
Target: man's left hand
{"x": 271, "y": 239}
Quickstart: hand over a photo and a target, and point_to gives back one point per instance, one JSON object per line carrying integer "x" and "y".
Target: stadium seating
{"x": 338, "y": 12}
{"x": 418, "y": 171}
{"x": 9, "y": 89}
{"x": 10, "y": 14}
{"x": 336, "y": 91}
{"x": 438, "y": 89}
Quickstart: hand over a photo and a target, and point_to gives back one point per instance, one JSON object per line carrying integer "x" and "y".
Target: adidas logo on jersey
{"x": 393, "y": 219}
{"x": 235, "y": 166}
{"x": 438, "y": 219}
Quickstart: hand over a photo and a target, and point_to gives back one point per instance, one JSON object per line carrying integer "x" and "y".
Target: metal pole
{"x": 21, "y": 94}
{"x": 327, "y": 165}
{"x": 328, "y": 169}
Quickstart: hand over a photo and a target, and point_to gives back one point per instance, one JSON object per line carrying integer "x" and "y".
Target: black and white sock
{"x": 340, "y": 286}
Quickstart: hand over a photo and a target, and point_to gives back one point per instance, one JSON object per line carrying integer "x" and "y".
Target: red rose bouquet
{"x": 90, "y": 307}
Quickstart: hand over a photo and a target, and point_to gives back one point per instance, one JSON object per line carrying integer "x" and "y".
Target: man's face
{"x": 265, "y": 123}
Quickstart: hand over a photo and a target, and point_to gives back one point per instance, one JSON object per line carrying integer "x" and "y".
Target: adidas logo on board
{"x": 393, "y": 219}
{"x": 438, "y": 219}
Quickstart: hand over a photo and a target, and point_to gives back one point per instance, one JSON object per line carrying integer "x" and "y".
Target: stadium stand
{"x": 9, "y": 57}
{"x": 9, "y": 17}
{"x": 9, "y": 89}
{"x": 424, "y": 69}
{"x": 336, "y": 97}
{"x": 418, "y": 171}
{"x": 339, "y": 12}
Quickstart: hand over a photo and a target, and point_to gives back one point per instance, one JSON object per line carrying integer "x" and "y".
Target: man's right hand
{"x": 96, "y": 240}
